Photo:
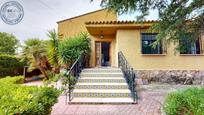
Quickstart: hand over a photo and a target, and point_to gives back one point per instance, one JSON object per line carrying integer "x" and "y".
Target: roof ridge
{"x": 81, "y": 15}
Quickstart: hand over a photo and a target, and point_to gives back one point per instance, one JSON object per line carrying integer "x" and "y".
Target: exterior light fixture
{"x": 101, "y": 35}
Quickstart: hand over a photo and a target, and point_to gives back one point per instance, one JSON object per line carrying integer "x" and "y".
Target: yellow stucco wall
{"x": 129, "y": 42}
{"x": 73, "y": 26}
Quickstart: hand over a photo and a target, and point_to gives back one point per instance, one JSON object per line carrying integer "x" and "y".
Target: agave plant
{"x": 53, "y": 53}
{"x": 34, "y": 51}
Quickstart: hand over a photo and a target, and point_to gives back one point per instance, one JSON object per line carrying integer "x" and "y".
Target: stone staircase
{"x": 101, "y": 86}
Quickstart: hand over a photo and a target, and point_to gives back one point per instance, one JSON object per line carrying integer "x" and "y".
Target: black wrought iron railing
{"x": 128, "y": 74}
{"x": 73, "y": 74}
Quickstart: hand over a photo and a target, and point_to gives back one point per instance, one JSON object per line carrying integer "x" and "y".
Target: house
{"x": 110, "y": 36}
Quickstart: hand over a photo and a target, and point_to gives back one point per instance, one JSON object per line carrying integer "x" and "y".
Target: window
{"x": 189, "y": 47}
{"x": 147, "y": 40}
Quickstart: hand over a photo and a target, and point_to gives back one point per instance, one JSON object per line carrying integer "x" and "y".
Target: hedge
{"x": 25, "y": 100}
{"x": 185, "y": 102}
{"x": 12, "y": 80}
{"x": 10, "y": 66}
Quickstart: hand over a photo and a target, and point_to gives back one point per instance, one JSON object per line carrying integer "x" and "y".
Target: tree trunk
{"x": 43, "y": 71}
{"x": 57, "y": 70}
{"x": 39, "y": 63}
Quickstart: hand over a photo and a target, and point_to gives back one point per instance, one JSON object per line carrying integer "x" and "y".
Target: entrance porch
{"x": 103, "y": 46}
{"x": 121, "y": 36}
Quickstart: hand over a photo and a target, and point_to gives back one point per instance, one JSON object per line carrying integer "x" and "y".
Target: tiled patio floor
{"x": 151, "y": 98}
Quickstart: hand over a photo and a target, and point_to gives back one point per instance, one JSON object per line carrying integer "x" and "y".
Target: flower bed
{"x": 31, "y": 100}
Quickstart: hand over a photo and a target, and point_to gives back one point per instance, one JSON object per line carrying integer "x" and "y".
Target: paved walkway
{"x": 151, "y": 98}
{"x": 150, "y": 103}
{"x": 34, "y": 83}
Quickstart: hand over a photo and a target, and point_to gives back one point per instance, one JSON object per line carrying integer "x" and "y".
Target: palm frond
{"x": 53, "y": 48}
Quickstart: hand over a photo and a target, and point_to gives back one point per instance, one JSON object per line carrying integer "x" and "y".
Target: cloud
{"x": 42, "y": 15}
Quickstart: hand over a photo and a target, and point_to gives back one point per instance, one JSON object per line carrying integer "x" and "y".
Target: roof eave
{"x": 120, "y": 22}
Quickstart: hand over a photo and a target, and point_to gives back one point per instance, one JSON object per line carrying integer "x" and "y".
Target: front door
{"x": 98, "y": 53}
{"x": 102, "y": 54}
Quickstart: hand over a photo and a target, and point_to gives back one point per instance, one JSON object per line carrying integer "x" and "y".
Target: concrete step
{"x": 102, "y": 101}
{"x": 101, "y": 75}
{"x": 101, "y": 93}
{"x": 101, "y": 86}
{"x": 101, "y": 79}
{"x": 102, "y": 70}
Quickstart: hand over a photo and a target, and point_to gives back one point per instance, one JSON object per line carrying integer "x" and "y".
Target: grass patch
{"x": 185, "y": 102}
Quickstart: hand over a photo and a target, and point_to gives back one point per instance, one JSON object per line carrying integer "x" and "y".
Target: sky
{"x": 42, "y": 15}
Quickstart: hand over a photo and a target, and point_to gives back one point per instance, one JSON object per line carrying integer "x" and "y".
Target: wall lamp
{"x": 101, "y": 35}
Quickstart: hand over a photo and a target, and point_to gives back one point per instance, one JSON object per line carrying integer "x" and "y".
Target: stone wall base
{"x": 186, "y": 77}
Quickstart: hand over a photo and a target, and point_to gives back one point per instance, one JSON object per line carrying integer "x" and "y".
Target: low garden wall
{"x": 186, "y": 77}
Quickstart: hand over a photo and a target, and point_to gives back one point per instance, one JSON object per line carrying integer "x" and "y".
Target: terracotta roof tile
{"x": 120, "y": 22}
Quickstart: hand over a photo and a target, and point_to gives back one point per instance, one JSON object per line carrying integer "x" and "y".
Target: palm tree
{"x": 34, "y": 51}
{"x": 71, "y": 48}
{"x": 53, "y": 53}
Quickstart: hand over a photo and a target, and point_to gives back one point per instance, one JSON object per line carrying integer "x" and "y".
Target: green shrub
{"x": 71, "y": 48}
{"x": 52, "y": 77}
{"x": 25, "y": 100}
{"x": 57, "y": 77}
{"x": 185, "y": 102}
{"x": 12, "y": 80}
{"x": 10, "y": 66}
